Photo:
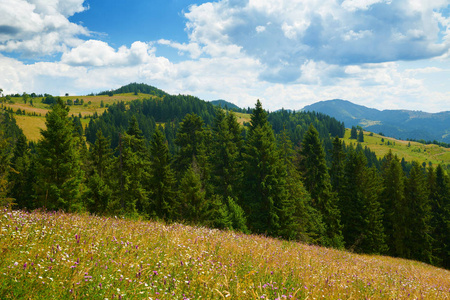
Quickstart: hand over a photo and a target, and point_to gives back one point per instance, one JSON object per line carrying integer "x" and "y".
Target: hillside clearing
{"x": 56, "y": 255}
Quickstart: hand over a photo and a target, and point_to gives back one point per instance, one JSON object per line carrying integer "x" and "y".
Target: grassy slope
{"x": 31, "y": 125}
{"x": 409, "y": 150}
{"x": 63, "y": 256}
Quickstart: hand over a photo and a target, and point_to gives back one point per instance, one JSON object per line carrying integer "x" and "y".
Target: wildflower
{"x": 24, "y": 266}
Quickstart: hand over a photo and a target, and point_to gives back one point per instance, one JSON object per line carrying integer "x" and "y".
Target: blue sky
{"x": 386, "y": 54}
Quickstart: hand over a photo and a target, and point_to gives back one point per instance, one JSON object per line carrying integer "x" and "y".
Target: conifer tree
{"x": 440, "y": 222}
{"x": 353, "y": 133}
{"x": 418, "y": 217}
{"x": 337, "y": 165}
{"x": 132, "y": 169}
{"x": 4, "y": 170}
{"x": 225, "y": 154}
{"x": 192, "y": 198}
{"x": 360, "y": 136}
{"x": 313, "y": 168}
{"x": 264, "y": 176}
{"x": 59, "y": 181}
{"x": 99, "y": 193}
{"x": 393, "y": 203}
{"x": 192, "y": 140}
{"x": 162, "y": 180}
{"x": 299, "y": 220}
{"x": 23, "y": 175}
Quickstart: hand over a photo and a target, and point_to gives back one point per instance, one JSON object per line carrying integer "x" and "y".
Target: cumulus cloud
{"x": 99, "y": 54}
{"x": 38, "y": 27}
{"x": 353, "y": 32}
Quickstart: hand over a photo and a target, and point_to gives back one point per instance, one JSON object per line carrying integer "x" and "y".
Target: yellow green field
{"x": 53, "y": 255}
{"x": 31, "y": 125}
{"x": 411, "y": 151}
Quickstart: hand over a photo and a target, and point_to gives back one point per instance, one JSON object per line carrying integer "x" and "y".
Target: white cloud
{"x": 38, "y": 27}
{"x": 99, "y": 54}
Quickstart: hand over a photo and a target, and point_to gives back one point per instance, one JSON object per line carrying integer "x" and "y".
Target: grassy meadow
{"x": 54, "y": 255}
{"x": 409, "y": 150}
{"x": 34, "y": 119}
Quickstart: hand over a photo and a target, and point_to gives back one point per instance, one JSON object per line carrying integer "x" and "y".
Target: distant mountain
{"x": 224, "y": 104}
{"x": 401, "y": 124}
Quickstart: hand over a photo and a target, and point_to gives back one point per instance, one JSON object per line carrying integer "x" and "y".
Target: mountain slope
{"x": 402, "y": 124}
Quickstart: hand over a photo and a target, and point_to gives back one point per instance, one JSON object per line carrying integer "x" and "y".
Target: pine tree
{"x": 313, "y": 168}
{"x": 4, "y": 170}
{"x": 225, "y": 154}
{"x": 264, "y": 177}
{"x": 192, "y": 198}
{"x": 299, "y": 220}
{"x": 99, "y": 193}
{"x": 337, "y": 165}
{"x": 393, "y": 203}
{"x": 440, "y": 205}
{"x": 162, "y": 180}
{"x": 132, "y": 169}
{"x": 360, "y": 136}
{"x": 353, "y": 133}
{"x": 59, "y": 182}
{"x": 23, "y": 175}
{"x": 192, "y": 140}
{"x": 418, "y": 217}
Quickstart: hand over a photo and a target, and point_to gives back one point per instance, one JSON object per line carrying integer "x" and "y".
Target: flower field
{"x": 69, "y": 256}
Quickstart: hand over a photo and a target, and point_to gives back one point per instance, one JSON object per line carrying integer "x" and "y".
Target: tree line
{"x": 273, "y": 177}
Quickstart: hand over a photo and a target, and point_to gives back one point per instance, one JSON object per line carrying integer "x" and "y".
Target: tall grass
{"x": 67, "y": 256}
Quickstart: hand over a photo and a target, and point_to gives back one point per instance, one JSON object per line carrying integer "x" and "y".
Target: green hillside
{"x": 67, "y": 256}
{"x": 410, "y": 151}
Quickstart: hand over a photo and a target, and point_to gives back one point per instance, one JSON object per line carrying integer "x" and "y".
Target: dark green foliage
{"x": 192, "y": 198}
{"x": 99, "y": 191}
{"x": 237, "y": 216}
{"x": 393, "y": 203}
{"x": 162, "y": 181}
{"x": 353, "y": 133}
{"x": 362, "y": 216}
{"x": 360, "y": 136}
{"x": 136, "y": 88}
{"x": 59, "y": 165}
{"x": 263, "y": 189}
{"x": 337, "y": 165}
{"x": 225, "y": 154}
{"x": 440, "y": 206}
{"x": 313, "y": 168}
{"x": 417, "y": 240}
{"x": 22, "y": 175}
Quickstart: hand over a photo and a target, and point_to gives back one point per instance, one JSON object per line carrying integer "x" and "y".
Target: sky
{"x": 384, "y": 54}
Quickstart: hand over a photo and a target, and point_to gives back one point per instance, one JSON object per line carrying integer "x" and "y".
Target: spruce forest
{"x": 179, "y": 159}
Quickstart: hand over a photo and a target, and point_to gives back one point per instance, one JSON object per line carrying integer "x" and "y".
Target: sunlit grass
{"x": 410, "y": 151}
{"x": 60, "y": 256}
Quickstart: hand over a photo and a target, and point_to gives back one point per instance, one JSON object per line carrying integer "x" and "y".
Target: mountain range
{"x": 401, "y": 124}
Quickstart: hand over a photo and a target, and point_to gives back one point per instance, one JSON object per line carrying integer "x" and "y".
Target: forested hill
{"x": 136, "y": 88}
{"x": 169, "y": 110}
{"x": 401, "y": 124}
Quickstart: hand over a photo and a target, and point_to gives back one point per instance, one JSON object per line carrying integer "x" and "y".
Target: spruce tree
{"x": 5, "y": 168}
{"x": 99, "y": 193}
{"x": 59, "y": 180}
{"x": 418, "y": 217}
{"x": 313, "y": 168}
{"x": 353, "y": 133}
{"x": 225, "y": 154}
{"x": 440, "y": 205}
{"x": 23, "y": 175}
{"x": 337, "y": 165}
{"x": 264, "y": 179}
{"x": 162, "y": 181}
{"x": 132, "y": 169}
{"x": 393, "y": 203}
{"x": 299, "y": 220}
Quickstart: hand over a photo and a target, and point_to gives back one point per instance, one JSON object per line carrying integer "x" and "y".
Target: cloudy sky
{"x": 386, "y": 54}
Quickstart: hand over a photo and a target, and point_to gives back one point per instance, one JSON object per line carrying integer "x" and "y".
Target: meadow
{"x": 410, "y": 151}
{"x": 54, "y": 255}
